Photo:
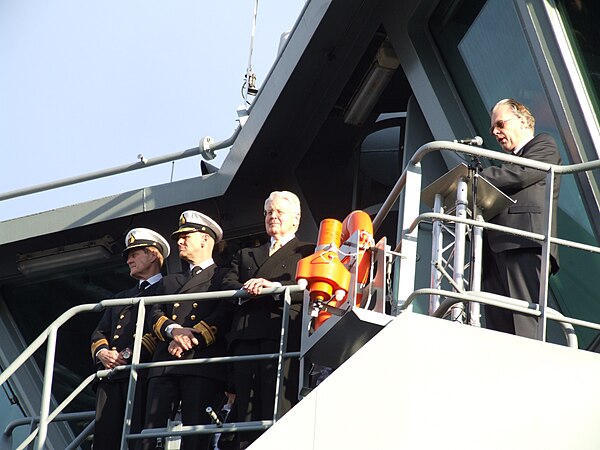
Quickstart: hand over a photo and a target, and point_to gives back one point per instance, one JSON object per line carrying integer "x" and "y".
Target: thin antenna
{"x": 250, "y": 78}
{"x": 172, "y": 170}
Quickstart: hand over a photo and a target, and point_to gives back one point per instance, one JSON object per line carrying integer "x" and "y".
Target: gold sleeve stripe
{"x": 158, "y": 326}
{"x": 207, "y": 332}
{"x": 149, "y": 341}
{"x": 97, "y": 344}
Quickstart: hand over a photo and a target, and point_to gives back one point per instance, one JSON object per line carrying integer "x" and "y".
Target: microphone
{"x": 477, "y": 140}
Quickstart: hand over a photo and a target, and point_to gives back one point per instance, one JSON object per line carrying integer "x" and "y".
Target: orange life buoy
{"x": 322, "y": 273}
{"x": 329, "y": 279}
{"x": 358, "y": 222}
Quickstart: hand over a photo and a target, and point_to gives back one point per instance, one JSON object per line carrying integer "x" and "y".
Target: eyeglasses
{"x": 499, "y": 124}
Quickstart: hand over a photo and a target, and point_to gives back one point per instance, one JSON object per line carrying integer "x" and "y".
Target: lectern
{"x": 466, "y": 193}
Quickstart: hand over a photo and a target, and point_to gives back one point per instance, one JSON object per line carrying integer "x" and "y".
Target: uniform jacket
{"x": 260, "y": 317}
{"x": 526, "y": 186}
{"x": 116, "y": 331}
{"x": 210, "y": 317}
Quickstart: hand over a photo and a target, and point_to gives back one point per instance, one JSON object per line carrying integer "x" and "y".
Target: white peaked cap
{"x": 144, "y": 237}
{"x": 190, "y": 221}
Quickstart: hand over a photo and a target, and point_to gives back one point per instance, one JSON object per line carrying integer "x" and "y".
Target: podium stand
{"x": 465, "y": 192}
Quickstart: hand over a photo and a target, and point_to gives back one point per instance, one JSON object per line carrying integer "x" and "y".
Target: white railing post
{"x": 47, "y": 388}
{"x": 285, "y": 320}
{"x": 545, "y": 268}
{"x": 133, "y": 374}
{"x": 408, "y": 212}
{"x": 437, "y": 244}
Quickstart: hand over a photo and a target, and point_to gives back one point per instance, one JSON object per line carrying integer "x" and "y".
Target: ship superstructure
{"x": 357, "y": 90}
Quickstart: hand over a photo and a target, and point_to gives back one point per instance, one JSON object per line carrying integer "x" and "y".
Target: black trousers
{"x": 194, "y": 392}
{"x": 110, "y": 412}
{"x": 516, "y": 274}
{"x": 254, "y": 384}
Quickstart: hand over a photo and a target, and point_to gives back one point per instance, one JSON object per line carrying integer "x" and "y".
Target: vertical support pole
{"x": 437, "y": 242}
{"x": 460, "y": 231}
{"x": 303, "y": 379}
{"x": 47, "y": 389}
{"x": 133, "y": 374}
{"x": 405, "y": 270}
{"x": 287, "y": 301}
{"x": 545, "y": 268}
{"x": 474, "y": 307}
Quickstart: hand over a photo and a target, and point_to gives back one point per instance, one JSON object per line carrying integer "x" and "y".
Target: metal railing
{"x": 409, "y": 184}
{"x": 49, "y": 337}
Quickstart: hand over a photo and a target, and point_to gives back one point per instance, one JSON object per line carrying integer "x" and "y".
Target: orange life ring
{"x": 327, "y": 278}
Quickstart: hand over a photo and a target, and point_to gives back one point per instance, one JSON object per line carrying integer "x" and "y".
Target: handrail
{"x": 6, "y": 438}
{"x": 539, "y": 311}
{"x": 520, "y": 306}
{"x": 207, "y": 146}
{"x": 475, "y": 151}
{"x": 492, "y": 226}
{"x": 49, "y": 334}
{"x": 103, "y": 304}
{"x": 413, "y": 166}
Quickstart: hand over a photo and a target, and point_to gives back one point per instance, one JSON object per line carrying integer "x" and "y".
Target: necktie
{"x": 276, "y": 246}
{"x": 143, "y": 285}
{"x": 196, "y": 270}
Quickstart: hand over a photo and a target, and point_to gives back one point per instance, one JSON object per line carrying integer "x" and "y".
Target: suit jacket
{"x": 260, "y": 317}
{"x": 116, "y": 331}
{"x": 526, "y": 186}
{"x": 211, "y": 317}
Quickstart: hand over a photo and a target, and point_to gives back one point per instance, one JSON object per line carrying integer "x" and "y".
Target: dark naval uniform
{"x": 116, "y": 331}
{"x": 195, "y": 386}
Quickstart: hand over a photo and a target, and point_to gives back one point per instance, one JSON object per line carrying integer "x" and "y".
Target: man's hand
{"x": 254, "y": 286}
{"x": 185, "y": 338}
{"x": 175, "y": 349}
{"x": 110, "y": 358}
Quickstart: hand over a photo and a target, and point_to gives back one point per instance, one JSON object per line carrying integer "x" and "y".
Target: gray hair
{"x": 519, "y": 110}
{"x": 291, "y": 198}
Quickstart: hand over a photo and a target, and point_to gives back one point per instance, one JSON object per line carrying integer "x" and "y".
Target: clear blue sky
{"x": 86, "y": 86}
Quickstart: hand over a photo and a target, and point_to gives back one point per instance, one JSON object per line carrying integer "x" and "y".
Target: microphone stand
{"x": 474, "y": 167}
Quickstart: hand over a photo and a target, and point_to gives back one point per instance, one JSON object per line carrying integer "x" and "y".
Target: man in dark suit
{"x": 256, "y": 326}
{"x": 188, "y": 330}
{"x": 112, "y": 340}
{"x": 512, "y": 264}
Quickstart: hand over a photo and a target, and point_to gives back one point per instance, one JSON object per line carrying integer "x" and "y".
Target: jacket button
{"x": 116, "y": 336}
{"x": 193, "y": 317}
{"x": 118, "y": 327}
{"x": 174, "y": 316}
{"x": 195, "y": 305}
{"x": 176, "y": 305}
{"x": 122, "y": 316}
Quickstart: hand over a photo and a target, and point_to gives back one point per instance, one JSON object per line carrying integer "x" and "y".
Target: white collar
{"x": 284, "y": 240}
{"x": 203, "y": 265}
{"x": 153, "y": 279}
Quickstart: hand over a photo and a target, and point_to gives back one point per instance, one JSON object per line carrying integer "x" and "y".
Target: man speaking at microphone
{"x": 512, "y": 264}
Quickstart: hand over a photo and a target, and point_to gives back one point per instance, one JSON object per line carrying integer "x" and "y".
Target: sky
{"x": 87, "y": 86}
